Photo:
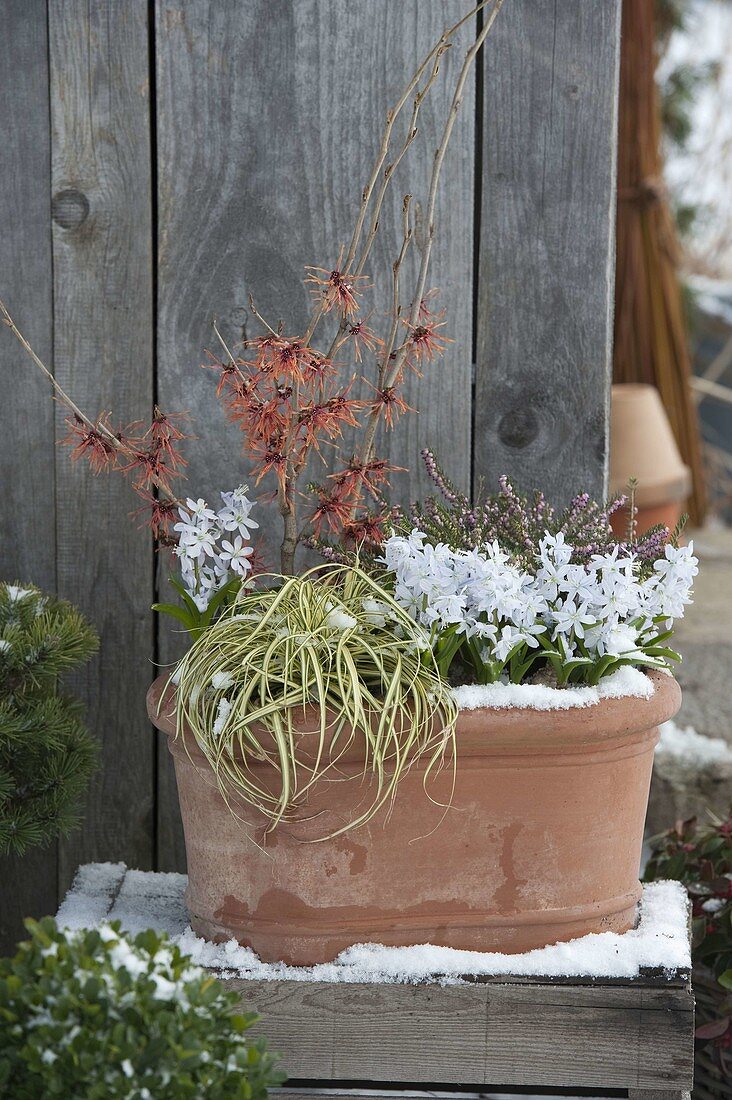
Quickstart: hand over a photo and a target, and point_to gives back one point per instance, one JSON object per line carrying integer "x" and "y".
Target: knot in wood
{"x": 518, "y": 427}
{"x": 69, "y": 208}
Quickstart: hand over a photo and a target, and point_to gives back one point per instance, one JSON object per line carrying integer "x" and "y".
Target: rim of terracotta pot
{"x": 609, "y": 723}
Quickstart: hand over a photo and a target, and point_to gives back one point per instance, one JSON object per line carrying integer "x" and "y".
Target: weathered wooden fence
{"x": 161, "y": 160}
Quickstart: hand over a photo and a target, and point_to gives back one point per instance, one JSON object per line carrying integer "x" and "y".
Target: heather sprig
{"x": 518, "y": 523}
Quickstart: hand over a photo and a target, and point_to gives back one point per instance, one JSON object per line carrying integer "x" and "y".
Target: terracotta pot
{"x": 642, "y": 446}
{"x": 541, "y": 843}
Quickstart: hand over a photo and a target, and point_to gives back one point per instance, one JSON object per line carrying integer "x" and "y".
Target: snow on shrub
{"x": 98, "y": 1014}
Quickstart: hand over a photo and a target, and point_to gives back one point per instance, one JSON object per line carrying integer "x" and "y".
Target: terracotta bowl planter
{"x": 642, "y": 446}
{"x": 542, "y": 841}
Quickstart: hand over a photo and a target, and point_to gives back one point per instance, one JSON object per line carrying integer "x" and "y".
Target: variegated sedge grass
{"x": 314, "y": 645}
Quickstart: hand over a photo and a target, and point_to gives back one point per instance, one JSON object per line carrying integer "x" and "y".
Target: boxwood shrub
{"x": 97, "y": 1014}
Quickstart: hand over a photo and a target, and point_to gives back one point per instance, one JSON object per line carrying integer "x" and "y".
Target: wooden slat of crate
{"x": 324, "y": 1093}
{"x": 533, "y": 1033}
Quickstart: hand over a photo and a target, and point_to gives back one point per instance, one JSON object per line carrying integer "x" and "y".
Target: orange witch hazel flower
{"x": 152, "y": 468}
{"x": 265, "y": 418}
{"x": 391, "y": 403}
{"x": 287, "y": 357}
{"x": 160, "y": 515}
{"x": 164, "y": 434}
{"x": 424, "y": 339}
{"x": 336, "y": 289}
{"x": 363, "y": 337}
{"x": 230, "y": 372}
{"x": 367, "y": 528}
{"x": 327, "y": 418}
{"x": 269, "y": 455}
{"x": 333, "y": 509}
{"x": 318, "y": 367}
{"x": 91, "y": 443}
{"x": 426, "y": 313}
{"x": 372, "y": 475}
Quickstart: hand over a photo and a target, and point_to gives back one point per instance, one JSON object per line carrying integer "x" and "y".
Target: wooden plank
{"x": 27, "y": 536}
{"x": 325, "y": 1092}
{"x": 659, "y": 1094}
{"x": 259, "y": 175}
{"x": 103, "y": 356}
{"x": 546, "y": 263}
{"x": 92, "y": 895}
{"x": 508, "y": 1035}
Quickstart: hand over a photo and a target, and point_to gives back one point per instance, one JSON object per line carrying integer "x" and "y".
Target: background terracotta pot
{"x": 642, "y": 445}
{"x": 542, "y": 841}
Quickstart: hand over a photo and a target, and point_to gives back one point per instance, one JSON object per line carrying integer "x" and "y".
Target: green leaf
{"x": 177, "y": 613}
{"x": 725, "y": 979}
{"x": 184, "y": 595}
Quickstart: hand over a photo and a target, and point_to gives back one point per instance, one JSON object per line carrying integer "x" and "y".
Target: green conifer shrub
{"x": 46, "y": 752}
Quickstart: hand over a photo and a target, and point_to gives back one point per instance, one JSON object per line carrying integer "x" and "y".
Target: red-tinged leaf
{"x": 715, "y": 1029}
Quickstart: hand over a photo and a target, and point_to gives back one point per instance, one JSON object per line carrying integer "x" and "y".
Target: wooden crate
{"x": 493, "y": 1034}
{"x": 487, "y": 1033}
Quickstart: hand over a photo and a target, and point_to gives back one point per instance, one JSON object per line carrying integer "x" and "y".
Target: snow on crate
{"x": 146, "y": 899}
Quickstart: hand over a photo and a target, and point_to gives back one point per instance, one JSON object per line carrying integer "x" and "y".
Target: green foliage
{"x": 700, "y": 856}
{"x": 97, "y": 1015}
{"x": 678, "y": 91}
{"x": 187, "y": 612}
{"x": 334, "y": 640}
{"x": 46, "y": 753}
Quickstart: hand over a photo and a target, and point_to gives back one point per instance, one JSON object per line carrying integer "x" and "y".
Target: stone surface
{"x": 680, "y": 790}
{"x": 704, "y": 640}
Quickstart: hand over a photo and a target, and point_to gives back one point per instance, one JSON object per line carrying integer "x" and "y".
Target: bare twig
{"x": 111, "y": 439}
{"x": 260, "y": 318}
{"x": 391, "y": 118}
{"x": 391, "y": 168}
{"x": 224, "y": 345}
{"x": 442, "y": 44}
{"x": 396, "y": 308}
{"x": 63, "y": 397}
{"x": 434, "y": 181}
{"x": 392, "y": 368}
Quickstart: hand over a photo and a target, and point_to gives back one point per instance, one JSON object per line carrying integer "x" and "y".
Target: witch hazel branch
{"x": 292, "y": 395}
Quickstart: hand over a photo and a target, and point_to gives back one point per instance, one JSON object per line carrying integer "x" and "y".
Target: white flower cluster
{"x": 592, "y": 610}
{"x": 214, "y": 545}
